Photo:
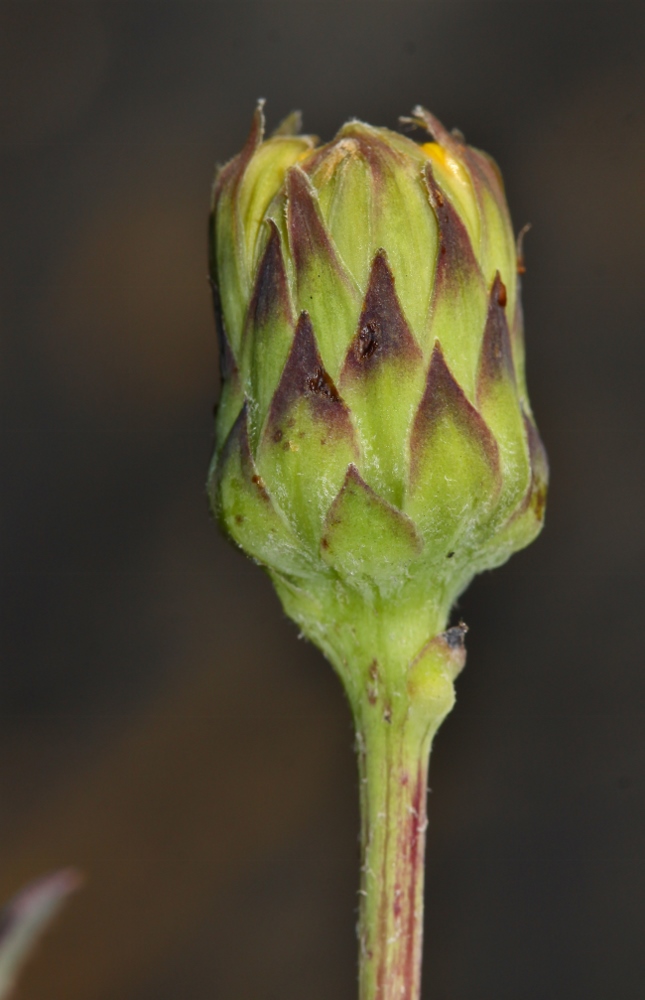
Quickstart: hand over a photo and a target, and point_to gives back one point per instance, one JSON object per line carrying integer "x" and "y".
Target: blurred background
{"x": 161, "y": 726}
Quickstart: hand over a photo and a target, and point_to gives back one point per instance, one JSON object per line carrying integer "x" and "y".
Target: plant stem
{"x": 398, "y": 668}
{"x": 396, "y": 718}
{"x": 393, "y": 767}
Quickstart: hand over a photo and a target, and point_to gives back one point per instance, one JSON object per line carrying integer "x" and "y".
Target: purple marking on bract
{"x": 308, "y": 237}
{"x": 444, "y": 396}
{"x": 383, "y": 333}
{"x": 456, "y": 254}
{"x": 304, "y": 378}
{"x": 270, "y": 298}
{"x": 496, "y": 357}
{"x": 227, "y": 363}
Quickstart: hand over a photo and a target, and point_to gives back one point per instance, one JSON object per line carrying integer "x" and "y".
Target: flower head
{"x": 375, "y": 446}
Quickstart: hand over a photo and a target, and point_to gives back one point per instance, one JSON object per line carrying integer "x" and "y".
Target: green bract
{"x": 374, "y": 442}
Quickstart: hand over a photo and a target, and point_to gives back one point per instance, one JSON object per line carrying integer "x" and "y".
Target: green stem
{"x": 398, "y": 669}
{"x": 397, "y": 715}
{"x": 393, "y": 767}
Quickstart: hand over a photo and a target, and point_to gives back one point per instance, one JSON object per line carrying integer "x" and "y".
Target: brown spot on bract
{"x": 387, "y": 714}
{"x": 368, "y": 340}
{"x": 258, "y": 482}
{"x": 538, "y": 503}
{"x": 383, "y": 332}
{"x": 320, "y": 382}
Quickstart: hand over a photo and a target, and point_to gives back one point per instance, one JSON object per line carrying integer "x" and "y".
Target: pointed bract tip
{"x": 444, "y": 396}
{"x": 430, "y": 123}
{"x": 270, "y": 297}
{"x": 304, "y": 377}
{"x": 309, "y": 240}
{"x": 519, "y": 248}
{"x": 229, "y": 175}
{"x": 496, "y": 357}
{"x": 290, "y": 125}
{"x": 383, "y": 331}
{"x": 238, "y": 438}
{"x": 258, "y": 124}
{"x": 353, "y": 476}
{"x": 365, "y": 534}
{"x": 456, "y": 254}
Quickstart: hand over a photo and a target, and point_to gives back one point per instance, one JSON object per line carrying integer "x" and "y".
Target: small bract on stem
{"x": 375, "y": 446}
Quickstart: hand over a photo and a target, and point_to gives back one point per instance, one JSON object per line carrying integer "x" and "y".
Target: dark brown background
{"x": 161, "y": 726}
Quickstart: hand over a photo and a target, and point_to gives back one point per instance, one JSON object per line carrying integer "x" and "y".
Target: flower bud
{"x": 375, "y": 446}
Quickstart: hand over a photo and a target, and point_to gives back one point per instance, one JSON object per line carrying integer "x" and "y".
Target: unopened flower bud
{"x": 375, "y": 446}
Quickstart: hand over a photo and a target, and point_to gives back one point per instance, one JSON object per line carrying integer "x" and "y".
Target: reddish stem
{"x": 393, "y": 764}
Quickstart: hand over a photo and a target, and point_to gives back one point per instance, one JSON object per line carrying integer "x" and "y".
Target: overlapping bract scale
{"x": 268, "y": 331}
{"x": 308, "y": 440}
{"x": 381, "y": 380}
{"x": 323, "y": 285}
